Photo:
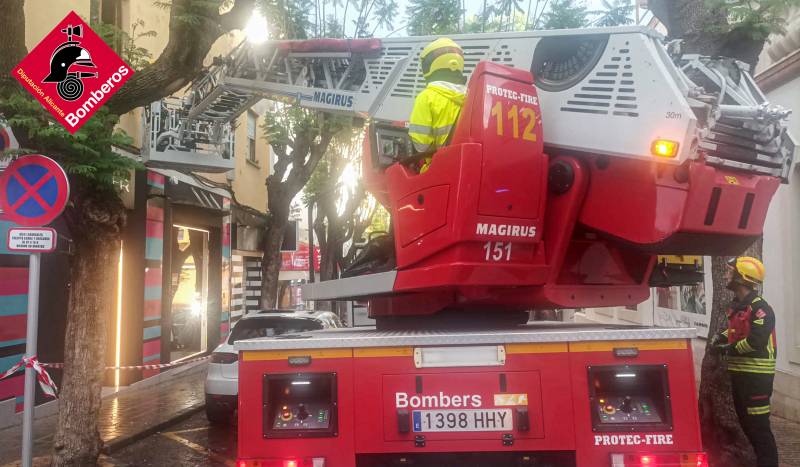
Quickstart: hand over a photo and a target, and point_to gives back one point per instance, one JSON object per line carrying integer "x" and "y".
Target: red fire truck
{"x": 578, "y": 157}
{"x": 533, "y": 395}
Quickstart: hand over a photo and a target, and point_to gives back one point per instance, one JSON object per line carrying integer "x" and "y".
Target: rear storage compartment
{"x": 485, "y": 402}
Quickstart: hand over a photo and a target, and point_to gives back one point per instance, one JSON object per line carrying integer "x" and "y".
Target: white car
{"x": 223, "y": 370}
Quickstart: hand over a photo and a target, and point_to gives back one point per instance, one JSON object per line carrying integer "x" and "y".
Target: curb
{"x": 10, "y": 418}
{"x": 118, "y": 443}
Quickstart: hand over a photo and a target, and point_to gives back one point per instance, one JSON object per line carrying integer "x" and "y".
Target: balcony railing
{"x": 174, "y": 141}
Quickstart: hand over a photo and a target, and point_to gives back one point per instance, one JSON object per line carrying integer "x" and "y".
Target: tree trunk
{"x": 322, "y": 232}
{"x": 95, "y": 224}
{"x": 703, "y": 29}
{"x": 271, "y": 261}
{"x": 96, "y": 217}
{"x": 12, "y": 47}
{"x": 723, "y": 438}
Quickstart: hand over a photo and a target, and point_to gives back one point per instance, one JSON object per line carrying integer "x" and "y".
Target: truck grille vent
{"x": 609, "y": 89}
{"x": 503, "y": 55}
{"x": 377, "y": 72}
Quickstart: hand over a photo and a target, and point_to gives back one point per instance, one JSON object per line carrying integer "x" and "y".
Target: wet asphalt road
{"x": 192, "y": 442}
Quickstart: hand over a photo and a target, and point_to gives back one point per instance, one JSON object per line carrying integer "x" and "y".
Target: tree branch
{"x": 279, "y": 169}
{"x": 179, "y": 63}
{"x": 237, "y": 16}
{"x": 12, "y": 47}
{"x": 704, "y": 29}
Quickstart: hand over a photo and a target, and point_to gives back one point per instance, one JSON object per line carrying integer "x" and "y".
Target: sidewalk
{"x": 127, "y": 415}
{"x": 787, "y": 436}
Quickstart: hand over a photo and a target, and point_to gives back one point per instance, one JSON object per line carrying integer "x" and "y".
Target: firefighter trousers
{"x": 751, "y": 396}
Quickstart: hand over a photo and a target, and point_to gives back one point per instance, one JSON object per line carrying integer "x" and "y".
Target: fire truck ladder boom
{"x": 623, "y": 81}
{"x": 325, "y": 80}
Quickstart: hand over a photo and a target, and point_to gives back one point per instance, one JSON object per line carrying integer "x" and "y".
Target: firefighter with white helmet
{"x": 437, "y": 107}
{"x": 750, "y": 345}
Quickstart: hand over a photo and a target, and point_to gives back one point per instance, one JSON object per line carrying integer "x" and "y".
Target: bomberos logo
{"x": 72, "y": 72}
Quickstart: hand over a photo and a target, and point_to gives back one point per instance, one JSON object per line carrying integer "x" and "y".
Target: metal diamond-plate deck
{"x": 530, "y": 333}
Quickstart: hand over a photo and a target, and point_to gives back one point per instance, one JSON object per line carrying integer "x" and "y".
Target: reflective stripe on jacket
{"x": 436, "y": 110}
{"x": 751, "y": 330}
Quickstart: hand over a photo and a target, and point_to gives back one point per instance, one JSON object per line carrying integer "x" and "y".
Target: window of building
{"x": 251, "y": 136}
{"x": 111, "y": 14}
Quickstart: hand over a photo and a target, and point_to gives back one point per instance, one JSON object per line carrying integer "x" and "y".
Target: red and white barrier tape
{"x": 48, "y": 386}
{"x": 156, "y": 366}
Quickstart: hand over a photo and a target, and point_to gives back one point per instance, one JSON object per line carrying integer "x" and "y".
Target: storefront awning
{"x": 185, "y": 189}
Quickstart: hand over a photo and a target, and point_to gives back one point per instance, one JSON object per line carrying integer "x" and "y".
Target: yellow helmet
{"x": 441, "y": 54}
{"x": 750, "y": 269}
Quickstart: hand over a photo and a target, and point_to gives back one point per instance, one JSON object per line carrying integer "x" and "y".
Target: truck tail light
{"x": 291, "y": 462}
{"x": 224, "y": 357}
{"x": 639, "y": 459}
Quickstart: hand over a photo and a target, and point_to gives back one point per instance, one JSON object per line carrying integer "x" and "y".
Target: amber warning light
{"x": 664, "y": 148}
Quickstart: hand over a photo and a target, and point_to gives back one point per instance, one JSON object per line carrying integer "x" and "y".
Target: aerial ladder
{"x": 580, "y": 156}
{"x": 586, "y": 165}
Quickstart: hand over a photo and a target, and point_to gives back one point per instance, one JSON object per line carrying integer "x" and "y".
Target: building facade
{"x": 176, "y": 264}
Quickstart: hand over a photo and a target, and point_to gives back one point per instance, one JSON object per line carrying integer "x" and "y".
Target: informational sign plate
{"x": 34, "y": 240}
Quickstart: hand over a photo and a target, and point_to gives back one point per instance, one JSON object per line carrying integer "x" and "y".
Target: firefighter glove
{"x": 718, "y": 340}
{"x": 723, "y": 349}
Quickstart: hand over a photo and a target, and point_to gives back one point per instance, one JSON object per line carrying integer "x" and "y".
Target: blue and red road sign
{"x": 33, "y": 191}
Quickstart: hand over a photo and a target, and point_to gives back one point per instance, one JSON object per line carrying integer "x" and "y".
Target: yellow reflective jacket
{"x": 436, "y": 110}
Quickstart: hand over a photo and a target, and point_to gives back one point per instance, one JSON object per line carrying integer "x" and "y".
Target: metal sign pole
{"x": 30, "y": 352}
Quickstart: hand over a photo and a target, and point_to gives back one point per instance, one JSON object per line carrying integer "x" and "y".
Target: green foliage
{"x": 433, "y": 17}
{"x": 377, "y": 12}
{"x": 516, "y": 15}
{"x": 333, "y": 27}
{"x": 195, "y": 12}
{"x": 280, "y": 125}
{"x": 291, "y": 130}
{"x": 615, "y": 13}
{"x": 565, "y": 14}
{"x": 87, "y": 154}
{"x": 287, "y": 19}
{"x": 475, "y": 24}
{"x": 345, "y": 148}
{"x": 754, "y": 19}
{"x": 318, "y": 182}
{"x": 384, "y": 13}
{"x": 509, "y": 14}
{"x": 125, "y": 44}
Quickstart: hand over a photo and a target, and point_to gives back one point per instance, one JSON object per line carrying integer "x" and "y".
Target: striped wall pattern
{"x": 153, "y": 275}
{"x": 237, "y": 288}
{"x": 225, "y": 315}
{"x": 4, "y": 226}
{"x": 252, "y": 283}
{"x": 13, "y": 310}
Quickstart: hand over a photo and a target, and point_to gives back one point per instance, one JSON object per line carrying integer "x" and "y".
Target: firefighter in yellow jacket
{"x": 750, "y": 345}
{"x": 437, "y": 107}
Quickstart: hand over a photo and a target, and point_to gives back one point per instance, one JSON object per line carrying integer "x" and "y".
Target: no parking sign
{"x": 33, "y": 191}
